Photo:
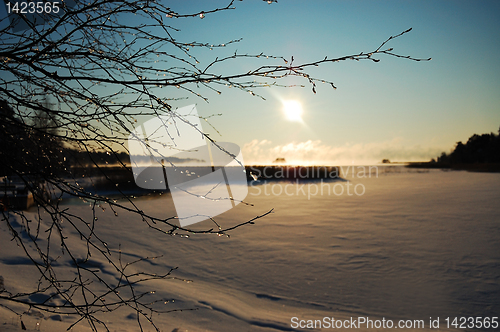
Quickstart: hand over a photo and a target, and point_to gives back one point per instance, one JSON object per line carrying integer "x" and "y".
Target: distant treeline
{"x": 483, "y": 148}
{"x": 32, "y": 147}
{"x": 481, "y": 152}
{"x": 78, "y": 158}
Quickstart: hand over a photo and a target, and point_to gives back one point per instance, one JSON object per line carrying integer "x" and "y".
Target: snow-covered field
{"x": 415, "y": 245}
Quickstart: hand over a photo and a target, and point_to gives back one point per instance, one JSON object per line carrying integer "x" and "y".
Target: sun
{"x": 293, "y": 110}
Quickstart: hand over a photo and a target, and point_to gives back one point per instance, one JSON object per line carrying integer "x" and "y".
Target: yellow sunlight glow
{"x": 293, "y": 110}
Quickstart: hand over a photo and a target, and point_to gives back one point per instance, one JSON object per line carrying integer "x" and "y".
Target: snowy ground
{"x": 415, "y": 245}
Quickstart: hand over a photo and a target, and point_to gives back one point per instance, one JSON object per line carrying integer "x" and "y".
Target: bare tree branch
{"x": 104, "y": 74}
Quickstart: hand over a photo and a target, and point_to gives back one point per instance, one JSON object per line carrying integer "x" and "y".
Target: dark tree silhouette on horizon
{"x": 479, "y": 149}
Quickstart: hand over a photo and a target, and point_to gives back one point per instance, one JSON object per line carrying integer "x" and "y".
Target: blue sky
{"x": 396, "y": 109}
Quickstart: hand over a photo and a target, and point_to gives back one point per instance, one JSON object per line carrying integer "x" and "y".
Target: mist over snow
{"x": 316, "y": 152}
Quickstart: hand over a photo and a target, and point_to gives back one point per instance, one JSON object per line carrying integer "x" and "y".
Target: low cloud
{"x": 316, "y": 152}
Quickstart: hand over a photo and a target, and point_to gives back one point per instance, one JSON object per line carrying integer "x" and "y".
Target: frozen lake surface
{"x": 414, "y": 245}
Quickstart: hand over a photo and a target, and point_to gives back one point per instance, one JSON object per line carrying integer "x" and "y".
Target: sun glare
{"x": 293, "y": 110}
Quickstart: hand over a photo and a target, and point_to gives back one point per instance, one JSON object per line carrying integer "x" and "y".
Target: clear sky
{"x": 396, "y": 109}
